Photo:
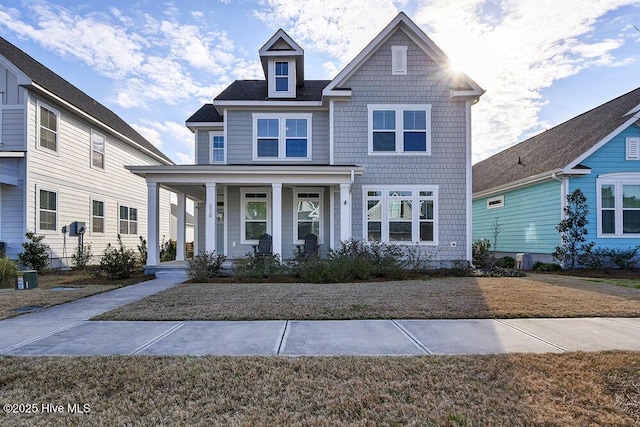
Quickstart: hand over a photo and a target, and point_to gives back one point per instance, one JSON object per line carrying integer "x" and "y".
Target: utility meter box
{"x": 27, "y": 279}
{"x": 77, "y": 228}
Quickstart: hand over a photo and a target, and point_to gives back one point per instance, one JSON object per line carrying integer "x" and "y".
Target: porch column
{"x": 211, "y": 199}
{"x": 153, "y": 223}
{"x": 277, "y": 218}
{"x": 345, "y": 211}
{"x": 182, "y": 227}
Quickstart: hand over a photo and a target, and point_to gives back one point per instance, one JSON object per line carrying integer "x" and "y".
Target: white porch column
{"x": 345, "y": 211}
{"x": 277, "y": 218}
{"x": 181, "y": 232}
{"x": 211, "y": 200}
{"x": 153, "y": 223}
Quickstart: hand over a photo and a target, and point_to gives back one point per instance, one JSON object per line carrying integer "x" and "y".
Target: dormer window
{"x": 282, "y": 79}
{"x": 282, "y": 76}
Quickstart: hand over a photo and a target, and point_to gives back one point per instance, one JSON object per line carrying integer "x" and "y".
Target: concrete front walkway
{"x": 66, "y": 330}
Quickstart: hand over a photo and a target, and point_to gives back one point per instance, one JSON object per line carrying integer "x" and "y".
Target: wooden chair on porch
{"x": 264, "y": 246}
{"x": 310, "y": 246}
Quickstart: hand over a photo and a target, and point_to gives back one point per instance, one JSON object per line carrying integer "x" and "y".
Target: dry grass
{"x": 83, "y": 283}
{"x": 514, "y": 390}
{"x": 439, "y": 298}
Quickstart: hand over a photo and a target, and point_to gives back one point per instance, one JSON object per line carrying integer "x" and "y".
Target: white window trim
{"x": 213, "y": 134}
{"x": 282, "y": 137}
{"x": 632, "y": 148}
{"x": 305, "y": 190}
{"x": 104, "y": 217}
{"x": 57, "y": 193}
{"x": 617, "y": 180}
{"x": 495, "y": 202}
{"x": 129, "y": 207}
{"x": 104, "y": 151}
{"x": 399, "y": 108}
{"x": 415, "y": 221}
{"x": 38, "y": 126}
{"x": 399, "y": 57}
{"x": 243, "y": 192}
{"x": 291, "y": 93}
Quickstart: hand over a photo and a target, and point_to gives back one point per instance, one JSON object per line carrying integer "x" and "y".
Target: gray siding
{"x": 425, "y": 83}
{"x": 12, "y": 225}
{"x": 12, "y": 121}
{"x": 240, "y": 137}
{"x": 202, "y": 148}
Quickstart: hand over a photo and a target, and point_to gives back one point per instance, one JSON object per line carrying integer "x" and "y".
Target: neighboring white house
{"x": 62, "y": 157}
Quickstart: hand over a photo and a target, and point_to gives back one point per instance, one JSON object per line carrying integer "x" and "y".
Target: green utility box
{"x": 27, "y": 279}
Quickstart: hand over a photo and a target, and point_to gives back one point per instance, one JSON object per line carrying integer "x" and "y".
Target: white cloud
{"x": 169, "y": 133}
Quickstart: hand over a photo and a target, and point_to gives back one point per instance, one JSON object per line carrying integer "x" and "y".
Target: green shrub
{"x": 205, "y": 265}
{"x": 506, "y": 262}
{"x": 82, "y": 256}
{"x": 34, "y": 256}
{"x": 546, "y": 266}
{"x": 251, "y": 266}
{"x": 356, "y": 260}
{"x": 168, "y": 250}
{"x": 481, "y": 250}
{"x": 142, "y": 249}
{"x": 118, "y": 263}
{"x": 623, "y": 258}
{"x": 499, "y": 272}
{"x": 8, "y": 272}
{"x": 594, "y": 258}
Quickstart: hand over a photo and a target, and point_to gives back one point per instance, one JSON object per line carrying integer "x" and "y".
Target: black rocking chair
{"x": 310, "y": 246}
{"x": 264, "y": 246}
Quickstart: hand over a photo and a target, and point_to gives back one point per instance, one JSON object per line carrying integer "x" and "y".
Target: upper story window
{"x": 217, "y": 149}
{"x": 97, "y": 150}
{"x": 47, "y": 128}
{"x": 399, "y": 60}
{"x": 400, "y": 129}
{"x": 282, "y": 136}
{"x": 619, "y": 205}
{"x": 633, "y": 148}
{"x": 282, "y": 79}
{"x": 48, "y": 210}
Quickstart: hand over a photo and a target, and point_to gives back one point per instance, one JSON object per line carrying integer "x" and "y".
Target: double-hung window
{"x": 97, "y": 216}
{"x": 619, "y": 205}
{"x": 48, "y": 210}
{"x": 217, "y": 148}
{"x": 47, "y": 128}
{"x": 255, "y": 215}
{"x": 401, "y": 214}
{"x": 282, "y": 136}
{"x": 97, "y": 150}
{"x": 400, "y": 129}
{"x": 128, "y": 220}
{"x": 282, "y": 76}
{"x": 308, "y": 214}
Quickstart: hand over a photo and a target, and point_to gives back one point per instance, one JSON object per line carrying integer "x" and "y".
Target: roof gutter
{"x": 94, "y": 120}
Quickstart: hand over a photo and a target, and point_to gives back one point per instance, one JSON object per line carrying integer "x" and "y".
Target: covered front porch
{"x": 235, "y": 204}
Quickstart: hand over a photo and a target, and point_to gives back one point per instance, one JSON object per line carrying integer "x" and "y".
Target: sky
{"x": 155, "y": 63}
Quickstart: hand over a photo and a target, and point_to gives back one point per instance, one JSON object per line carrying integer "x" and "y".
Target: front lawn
{"x": 538, "y": 295}
{"x": 498, "y": 390}
{"x": 71, "y": 285}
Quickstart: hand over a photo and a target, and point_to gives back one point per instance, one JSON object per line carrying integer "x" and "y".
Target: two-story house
{"x": 382, "y": 152}
{"x": 62, "y": 157}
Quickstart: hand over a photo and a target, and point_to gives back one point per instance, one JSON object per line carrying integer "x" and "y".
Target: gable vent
{"x": 633, "y": 148}
{"x": 398, "y": 60}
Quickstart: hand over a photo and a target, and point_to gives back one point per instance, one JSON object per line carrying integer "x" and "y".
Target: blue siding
{"x": 608, "y": 159}
{"x": 527, "y": 220}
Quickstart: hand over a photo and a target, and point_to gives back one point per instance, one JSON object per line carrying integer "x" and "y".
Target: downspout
{"x": 563, "y": 192}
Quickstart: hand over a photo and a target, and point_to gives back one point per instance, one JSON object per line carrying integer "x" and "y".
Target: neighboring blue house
{"x": 382, "y": 153}
{"x": 523, "y": 188}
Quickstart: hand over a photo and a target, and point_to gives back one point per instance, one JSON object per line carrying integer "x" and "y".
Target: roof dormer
{"x": 283, "y": 64}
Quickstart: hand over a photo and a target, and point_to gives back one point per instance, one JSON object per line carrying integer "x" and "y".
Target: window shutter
{"x": 633, "y": 148}
{"x": 398, "y": 60}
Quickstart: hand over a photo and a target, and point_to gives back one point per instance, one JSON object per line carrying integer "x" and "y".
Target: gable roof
{"x": 560, "y": 148}
{"x": 257, "y": 90}
{"x": 46, "y": 82}
{"x": 462, "y": 86}
{"x": 206, "y": 114}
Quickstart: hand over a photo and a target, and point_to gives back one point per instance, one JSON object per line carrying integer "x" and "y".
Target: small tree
{"x": 496, "y": 228}
{"x": 573, "y": 231}
{"x": 35, "y": 254}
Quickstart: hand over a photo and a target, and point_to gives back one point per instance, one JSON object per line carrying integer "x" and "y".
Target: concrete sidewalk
{"x": 66, "y": 330}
